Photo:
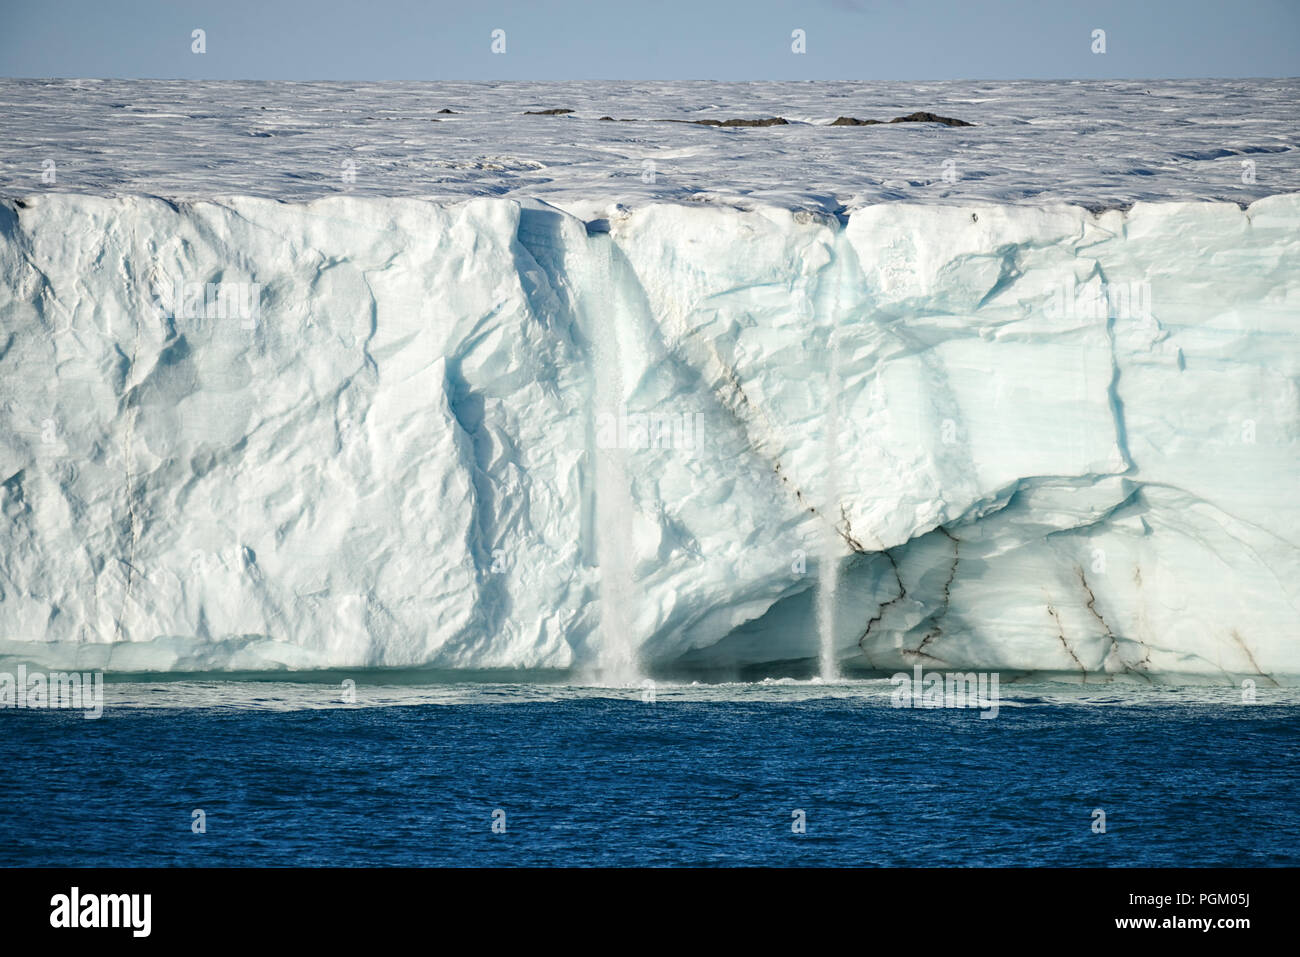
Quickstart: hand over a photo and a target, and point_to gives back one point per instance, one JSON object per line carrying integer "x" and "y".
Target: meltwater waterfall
{"x": 828, "y": 573}
{"x": 617, "y": 661}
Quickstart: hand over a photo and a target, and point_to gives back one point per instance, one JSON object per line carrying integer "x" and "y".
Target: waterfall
{"x": 617, "y": 658}
{"x": 828, "y": 572}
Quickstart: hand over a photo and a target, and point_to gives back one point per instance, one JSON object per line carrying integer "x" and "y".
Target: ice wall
{"x": 1064, "y": 441}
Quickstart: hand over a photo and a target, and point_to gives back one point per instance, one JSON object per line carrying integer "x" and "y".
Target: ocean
{"x": 774, "y": 773}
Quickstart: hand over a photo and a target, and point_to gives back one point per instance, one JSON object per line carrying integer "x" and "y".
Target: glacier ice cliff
{"x": 1037, "y": 439}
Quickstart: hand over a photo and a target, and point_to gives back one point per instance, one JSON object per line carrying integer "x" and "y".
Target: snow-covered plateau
{"x": 643, "y": 434}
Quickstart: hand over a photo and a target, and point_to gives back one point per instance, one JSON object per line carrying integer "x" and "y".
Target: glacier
{"x": 491, "y": 434}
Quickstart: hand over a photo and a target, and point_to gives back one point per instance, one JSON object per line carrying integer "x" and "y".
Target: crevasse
{"x": 1063, "y": 441}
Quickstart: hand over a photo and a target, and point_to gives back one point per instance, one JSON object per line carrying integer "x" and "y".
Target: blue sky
{"x": 670, "y": 39}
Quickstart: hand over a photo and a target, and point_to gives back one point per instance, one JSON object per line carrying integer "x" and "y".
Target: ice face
{"x": 364, "y": 432}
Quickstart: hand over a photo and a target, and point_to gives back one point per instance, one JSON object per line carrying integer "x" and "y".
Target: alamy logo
{"x": 968, "y": 689}
{"x": 1124, "y": 300}
{"x": 654, "y": 430}
{"x": 212, "y": 300}
{"x": 57, "y": 689}
{"x": 102, "y": 910}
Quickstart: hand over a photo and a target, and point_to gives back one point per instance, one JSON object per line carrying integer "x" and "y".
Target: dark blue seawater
{"x": 602, "y": 780}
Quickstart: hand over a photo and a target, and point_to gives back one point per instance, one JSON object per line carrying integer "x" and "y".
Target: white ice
{"x": 1091, "y": 143}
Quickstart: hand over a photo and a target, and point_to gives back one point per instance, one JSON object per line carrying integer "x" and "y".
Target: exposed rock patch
{"x": 770, "y": 121}
{"x": 929, "y": 118}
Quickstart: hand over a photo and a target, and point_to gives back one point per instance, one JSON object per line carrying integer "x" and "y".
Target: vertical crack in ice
{"x": 128, "y": 457}
{"x": 370, "y": 362}
{"x": 1112, "y": 389}
{"x": 847, "y": 532}
{"x": 1114, "y": 642}
{"x": 935, "y": 619}
{"x": 1060, "y": 634}
{"x": 1236, "y": 636}
{"x": 880, "y": 612}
